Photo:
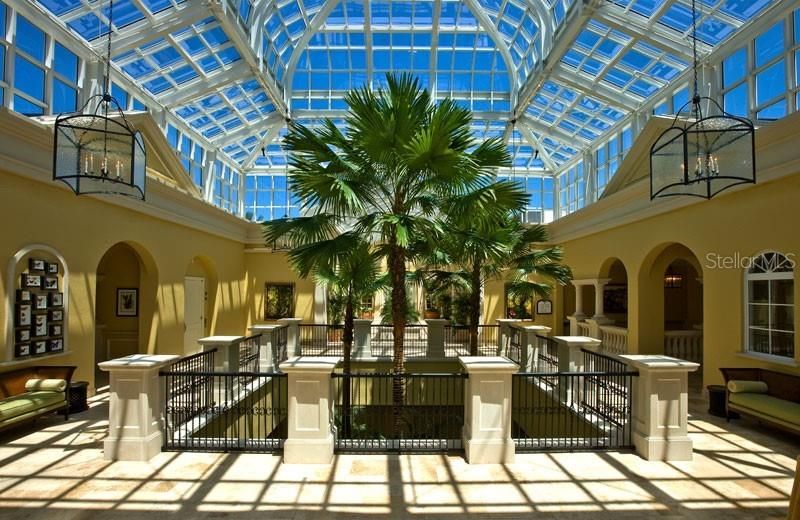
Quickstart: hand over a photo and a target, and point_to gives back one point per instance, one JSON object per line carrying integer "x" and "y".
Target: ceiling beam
{"x": 528, "y": 135}
{"x": 552, "y": 131}
{"x": 201, "y": 86}
{"x": 234, "y": 31}
{"x": 162, "y": 24}
{"x": 302, "y": 44}
{"x": 634, "y": 25}
{"x": 245, "y": 131}
{"x": 491, "y": 29}
{"x": 270, "y": 136}
{"x": 577, "y": 17}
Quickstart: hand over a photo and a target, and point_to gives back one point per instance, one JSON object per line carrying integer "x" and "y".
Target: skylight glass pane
{"x": 30, "y": 39}
{"x": 769, "y": 45}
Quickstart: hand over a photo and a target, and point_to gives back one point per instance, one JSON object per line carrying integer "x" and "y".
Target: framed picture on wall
{"x": 518, "y": 307}
{"x": 34, "y": 264}
{"x": 24, "y": 296}
{"x": 52, "y": 268}
{"x": 55, "y": 345}
{"x": 50, "y": 283}
{"x": 40, "y": 326}
{"x": 128, "y": 303}
{"x": 31, "y": 281}
{"x": 56, "y": 299}
{"x": 544, "y": 307}
{"x": 40, "y": 302}
{"x": 40, "y": 347}
{"x": 22, "y": 335}
{"x": 278, "y": 300}
{"x": 22, "y": 349}
{"x": 57, "y": 315}
{"x": 23, "y": 315}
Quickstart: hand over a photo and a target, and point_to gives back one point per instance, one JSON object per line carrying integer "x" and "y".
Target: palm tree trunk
{"x": 347, "y": 340}
{"x": 474, "y": 308}
{"x": 397, "y": 270}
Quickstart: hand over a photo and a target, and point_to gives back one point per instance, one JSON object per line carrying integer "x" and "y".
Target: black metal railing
{"x": 321, "y": 340}
{"x": 415, "y": 340}
{"x": 572, "y": 410}
{"x": 214, "y": 411}
{"x": 515, "y": 346}
{"x": 431, "y": 416}
{"x": 279, "y": 344}
{"x": 200, "y": 362}
{"x": 457, "y": 340}
{"x": 249, "y": 353}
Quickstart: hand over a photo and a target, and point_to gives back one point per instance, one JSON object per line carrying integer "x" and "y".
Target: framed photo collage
{"x": 39, "y": 310}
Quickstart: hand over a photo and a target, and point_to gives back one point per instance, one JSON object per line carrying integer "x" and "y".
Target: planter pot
{"x": 431, "y": 315}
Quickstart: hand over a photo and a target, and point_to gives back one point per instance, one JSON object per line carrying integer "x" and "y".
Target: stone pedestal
{"x": 487, "y": 410}
{"x": 660, "y": 407}
{"x": 570, "y": 351}
{"x": 227, "y": 357}
{"x": 293, "y": 336}
{"x": 436, "y": 338}
{"x": 362, "y": 346}
{"x": 136, "y": 407}
{"x": 310, "y": 436}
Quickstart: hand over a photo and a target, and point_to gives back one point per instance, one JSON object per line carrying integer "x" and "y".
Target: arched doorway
{"x": 615, "y": 291}
{"x": 199, "y": 299}
{"x": 671, "y": 305}
{"x": 121, "y": 288}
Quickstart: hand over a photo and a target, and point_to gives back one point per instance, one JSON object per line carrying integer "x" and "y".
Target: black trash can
{"x": 716, "y": 401}
{"x": 77, "y": 396}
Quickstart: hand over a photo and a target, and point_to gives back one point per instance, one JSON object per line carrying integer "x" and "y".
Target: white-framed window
{"x": 572, "y": 189}
{"x": 226, "y": 187}
{"x": 769, "y": 299}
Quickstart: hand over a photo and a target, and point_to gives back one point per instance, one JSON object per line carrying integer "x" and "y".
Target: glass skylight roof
{"x": 233, "y": 72}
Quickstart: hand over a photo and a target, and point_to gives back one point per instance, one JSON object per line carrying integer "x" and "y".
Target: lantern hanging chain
{"x": 107, "y": 91}
{"x": 696, "y": 64}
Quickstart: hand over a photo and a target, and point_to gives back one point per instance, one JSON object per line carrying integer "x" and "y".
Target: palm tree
{"x": 479, "y": 249}
{"x": 341, "y": 261}
{"x": 386, "y": 174}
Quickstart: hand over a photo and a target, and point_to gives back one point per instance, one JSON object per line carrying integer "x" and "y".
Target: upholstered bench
{"x": 766, "y": 395}
{"x": 28, "y": 393}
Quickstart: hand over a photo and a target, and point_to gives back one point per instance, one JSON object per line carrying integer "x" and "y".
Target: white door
{"x": 194, "y": 313}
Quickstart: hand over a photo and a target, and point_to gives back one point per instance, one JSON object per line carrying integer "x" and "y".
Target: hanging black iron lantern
{"x": 96, "y": 153}
{"x": 703, "y": 156}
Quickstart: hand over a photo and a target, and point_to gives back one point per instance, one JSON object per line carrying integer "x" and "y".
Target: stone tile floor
{"x": 55, "y": 470}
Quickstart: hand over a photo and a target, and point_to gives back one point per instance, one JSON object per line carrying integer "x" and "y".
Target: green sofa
{"x": 31, "y": 392}
{"x": 765, "y": 395}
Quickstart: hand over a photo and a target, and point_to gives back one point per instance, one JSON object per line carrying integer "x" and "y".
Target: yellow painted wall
{"x": 747, "y": 222}
{"x": 82, "y": 229}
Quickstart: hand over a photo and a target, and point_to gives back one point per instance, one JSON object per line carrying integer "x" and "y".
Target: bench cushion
{"x": 768, "y": 406}
{"x": 49, "y": 385}
{"x": 11, "y": 407}
{"x": 736, "y": 386}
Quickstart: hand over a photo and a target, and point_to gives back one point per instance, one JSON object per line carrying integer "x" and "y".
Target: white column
{"x": 136, "y": 407}
{"x": 310, "y": 435}
{"x": 293, "y": 336}
{"x": 660, "y": 407}
{"x": 227, "y": 357}
{"x": 487, "y": 410}
{"x": 599, "y": 287}
{"x": 436, "y": 338}
{"x": 362, "y": 344}
{"x": 578, "y": 301}
{"x": 570, "y": 351}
